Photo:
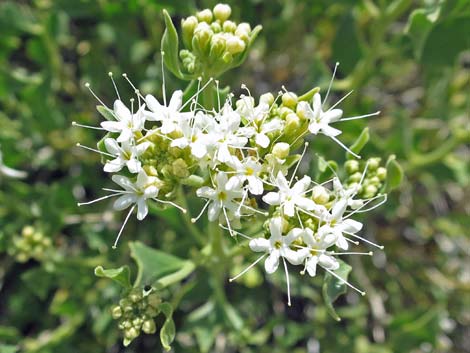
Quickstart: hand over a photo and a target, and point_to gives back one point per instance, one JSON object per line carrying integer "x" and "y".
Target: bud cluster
{"x": 369, "y": 172}
{"x": 31, "y": 244}
{"x": 213, "y": 42}
{"x": 136, "y": 312}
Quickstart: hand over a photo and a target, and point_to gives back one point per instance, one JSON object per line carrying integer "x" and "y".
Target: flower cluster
{"x": 213, "y": 42}
{"x": 136, "y": 313}
{"x": 31, "y": 244}
{"x": 239, "y": 157}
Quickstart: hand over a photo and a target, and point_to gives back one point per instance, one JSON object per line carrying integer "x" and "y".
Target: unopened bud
{"x": 370, "y": 191}
{"x": 281, "y": 150}
{"x": 205, "y": 16}
{"x": 373, "y": 163}
{"x": 131, "y": 333}
{"x": 229, "y": 26}
{"x": 235, "y": 45}
{"x": 222, "y": 12}
{"x": 180, "y": 168}
{"x": 292, "y": 123}
{"x": 267, "y": 98}
{"x": 289, "y": 99}
{"x": 202, "y": 36}
{"x": 381, "y": 173}
{"x": 351, "y": 166}
{"x": 188, "y": 25}
{"x": 149, "y": 327}
{"x": 320, "y": 195}
{"x": 243, "y": 32}
{"x": 216, "y": 27}
{"x": 355, "y": 178}
{"x": 116, "y": 312}
{"x": 374, "y": 181}
{"x": 28, "y": 231}
{"x": 135, "y": 295}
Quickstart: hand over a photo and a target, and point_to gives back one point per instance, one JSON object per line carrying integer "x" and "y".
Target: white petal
{"x": 176, "y": 100}
{"x": 342, "y": 243}
{"x": 314, "y": 127}
{"x": 338, "y": 209}
{"x": 133, "y": 165}
{"x": 121, "y": 111}
{"x": 294, "y": 257}
{"x": 259, "y": 244}
{"x": 312, "y": 266}
{"x": 112, "y": 146}
{"x": 275, "y": 228}
{"x": 153, "y": 103}
{"x": 328, "y": 262}
{"x": 113, "y": 166}
{"x": 206, "y": 192}
{"x": 289, "y": 208}
{"x": 124, "y": 202}
{"x": 351, "y": 226}
{"x": 305, "y": 203}
{"x": 112, "y": 126}
{"x": 330, "y": 131}
{"x": 142, "y": 209}
{"x": 198, "y": 150}
{"x": 123, "y": 182}
{"x": 262, "y": 140}
{"x": 272, "y": 198}
{"x": 255, "y": 185}
{"x": 302, "y": 185}
{"x": 332, "y": 115}
{"x": 293, "y": 235}
{"x": 126, "y": 135}
{"x": 233, "y": 183}
{"x": 272, "y": 262}
{"x": 214, "y": 211}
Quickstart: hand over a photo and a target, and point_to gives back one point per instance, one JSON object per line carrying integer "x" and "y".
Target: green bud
{"x": 355, "y": 178}
{"x": 27, "y": 232}
{"x": 235, "y": 45}
{"x": 37, "y": 237}
{"x": 205, "y": 16}
{"x": 320, "y": 195}
{"x": 370, "y": 191}
{"x": 267, "y": 98}
{"x": 135, "y": 295}
{"x": 374, "y": 181}
{"x": 281, "y": 150}
{"x": 216, "y": 27}
{"x": 217, "y": 45}
{"x": 351, "y": 166}
{"x": 202, "y": 36}
{"x": 283, "y": 111}
{"x": 180, "y": 168}
{"x": 382, "y": 173}
{"x": 137, "y": 323}
{"x": 116, "y": 312}
{"x": 153, "y": 300}
{"x": 131, "y": 333}
{"x": 229, "y": 26}
{"x": 149, "y": 327}
{"x": 243, "y": 32}
{"x": 188, "y": 26}
{"x": 289, "y": 99}
{"x": 292, "y": 123}
{"x": 227, "y": 57}
{"x": 222, "y": 12}
{"x": 373, "y": 163}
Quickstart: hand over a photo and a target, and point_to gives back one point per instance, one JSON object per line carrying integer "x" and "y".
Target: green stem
{"x": 422, "y": 160}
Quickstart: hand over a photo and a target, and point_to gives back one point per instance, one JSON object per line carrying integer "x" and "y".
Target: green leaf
{"x": 167, "y": 333}
{"x": 419, "y": 25}
{"x": 170, "y": 47}
{"x": 333, "y": 287}
{"x": 107, "y": 113}
{"x": 153, "y": 264}
{"x": 445, "y": 42}
{"x": 394, "y": 174}
{"x": 359, "y": 144}
{"x": 121, "y": 275}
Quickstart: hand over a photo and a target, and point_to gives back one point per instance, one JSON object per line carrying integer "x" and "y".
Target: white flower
{"x": 260, "y": 130}
{"x": 341, "y": 224}
{"x": 277, "y": 246}
{"x": 137, "y": 193}
{"x": 221, "y": 198}
{"x": 10, "y": 172}
{"x": 193, "y": 136}
{"x": 127, "y": 123}
{"x": 226, "y": 133}
{"x": 318, "y": 119}
{"x": 170, "y": 116}
{"x": 126, "y": 155}
{"x": 247, "y": 170}
{"x": 290, "y": 198}
{"x": 316, "y": 253}
{"x": 246, "y": 108}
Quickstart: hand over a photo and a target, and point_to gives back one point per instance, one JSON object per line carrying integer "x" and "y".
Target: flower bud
{"x": 373, "y": 163}
{"x": 351, "y": 166}
{"x": 229, "y": 26}
{"x": 283, "y": 111}
{"x": 370, "y": 191}
{"x": 188, "y": 26}
{"x": 355, "y": 178}
{"x": 135, "y": 295}
{"x": 243, "y": 32}
{"x": 204, "y": 16}
{"x": 235, "y": 45}
{"x": 292, "y": 123}
{"x": 149, "y": 327}
{"x": 216, "y": 27}
{"x": 153, "y": 300}
{"x": 281, "y": 150}
{"x": 222, "y": 12}
{"x": 289, "y": 99}
{"x": 116, "y": 312}
{"x": 131, "y": 333}
{"x": 137, "y": 323}
{"x": 28, "y": 231}
{"x": 320, "y": 195}
{"x": 180, "y": 168}
{"x": 381, "y": 173}
{"x": 374, "y": 181}
{"x": 202, "y": 36}
{"x": 267, "y": 98}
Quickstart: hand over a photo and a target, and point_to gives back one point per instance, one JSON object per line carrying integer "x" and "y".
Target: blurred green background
{"x": 410, "y": 59}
